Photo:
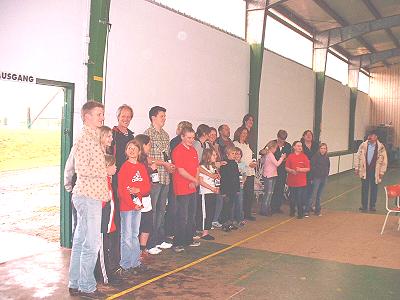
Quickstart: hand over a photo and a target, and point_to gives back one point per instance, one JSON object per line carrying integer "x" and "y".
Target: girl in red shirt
{"x": 297, "y": 166}
{"x": 133, "y": 184}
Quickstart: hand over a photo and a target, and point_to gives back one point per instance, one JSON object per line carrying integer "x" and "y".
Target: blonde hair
{"x": 270, "y": 145}
{"x": 206, "y": 157}
{"x": 110, "y": 160}
{"x": 122, "y": 107}
{"x": 88, "y": 107}
{"x": 104, "y": 130}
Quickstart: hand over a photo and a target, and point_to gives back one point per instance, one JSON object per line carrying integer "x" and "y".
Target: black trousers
{"x": 227, "y": 208}
{"x": 279, "y": 189}
{"x": 170, "y": 212}
{"x": 104, "y": 265}
{"x": 210, "y": 201}
{"x": 369, "y": 190}
{"x": 185, "y": 219}
{"x": 248, "y": 196}
{"x": 297, "y": 199}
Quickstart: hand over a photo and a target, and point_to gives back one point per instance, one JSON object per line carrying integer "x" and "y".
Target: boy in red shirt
{"x": 186, "y": 180}
{"x": 297, "y": 166}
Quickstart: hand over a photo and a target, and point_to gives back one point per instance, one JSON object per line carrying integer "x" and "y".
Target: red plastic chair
{"x": 392, "y": 193}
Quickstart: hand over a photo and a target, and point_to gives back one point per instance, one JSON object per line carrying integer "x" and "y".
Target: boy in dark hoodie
{"x": 230, "y": 188}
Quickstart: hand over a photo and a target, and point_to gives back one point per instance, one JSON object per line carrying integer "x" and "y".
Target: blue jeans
{"x": 318, "y": 187}
{"x": 238, "y": 213}
{"x": 297, "y": 199}
{"x": 218, "y": 207}
{"x": 308, "y": 193}
{"x": 269, "y": 184}
{"x": 86, "y": 244}
{"x": 159, "y": 195}
{"x": 130, "y": 247}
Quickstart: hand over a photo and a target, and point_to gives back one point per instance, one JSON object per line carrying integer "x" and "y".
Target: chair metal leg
{"x": 384, "y": 224}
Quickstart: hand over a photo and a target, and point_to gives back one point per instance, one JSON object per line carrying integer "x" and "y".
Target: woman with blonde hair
{"x": 270, "y": 174}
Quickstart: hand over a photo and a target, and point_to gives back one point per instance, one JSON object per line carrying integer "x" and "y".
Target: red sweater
{"x": 132, "y": 175}
{"x": 297, "y": 161}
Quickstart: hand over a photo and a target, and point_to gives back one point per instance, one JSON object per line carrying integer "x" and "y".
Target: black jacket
{"x": 230, "y": 178}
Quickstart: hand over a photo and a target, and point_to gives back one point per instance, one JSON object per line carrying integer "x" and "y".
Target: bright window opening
{"x": 363, "y": 83}
{"x": 288, "y": 43}
{"x": 337, "y": 69}
{"x": 228, "y": 15}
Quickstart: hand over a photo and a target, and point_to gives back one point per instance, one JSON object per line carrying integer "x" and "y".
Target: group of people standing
{"x": 138, "y": 195}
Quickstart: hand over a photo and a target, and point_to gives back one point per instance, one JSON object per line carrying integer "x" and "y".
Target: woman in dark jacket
{"x": 310, "y": 147}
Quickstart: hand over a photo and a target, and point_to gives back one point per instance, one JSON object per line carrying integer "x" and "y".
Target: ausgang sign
{"x": 16, "y": 77}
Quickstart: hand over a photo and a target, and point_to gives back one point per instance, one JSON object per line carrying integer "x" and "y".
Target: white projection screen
{"x": 158, "y": 57}
{"x": 286, "y": 98}
{"x": 335, "y": 115}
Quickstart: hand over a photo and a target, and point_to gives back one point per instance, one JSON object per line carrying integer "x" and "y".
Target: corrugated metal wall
{"x": 385, "y": 98}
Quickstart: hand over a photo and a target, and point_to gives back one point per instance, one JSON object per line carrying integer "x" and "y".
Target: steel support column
{"x": 99, "y": 26}
{"x": 255, "y": 34}
{"x": 354, "y": 74}
{"x": 320, "y": 52}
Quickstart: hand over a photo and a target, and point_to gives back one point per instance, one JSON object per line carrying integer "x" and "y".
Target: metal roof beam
{"x": 260, "y": 5}
{"x": 342, "y": 34}
{"x": 372, "y": 58}
{"x": 377, "y": 15}
{"x": 325, "y": 7}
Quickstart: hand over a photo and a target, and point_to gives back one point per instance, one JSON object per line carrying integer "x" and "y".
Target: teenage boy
{"x": 90, "y": 190}
{"x": 159, "y": 155}
{"x": 186, "y": 180}
{"x": 171, "y": 206}
{"x": 230, "y": 188}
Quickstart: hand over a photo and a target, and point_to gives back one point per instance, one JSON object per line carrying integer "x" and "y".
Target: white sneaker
{"x": 164, "y": 245}
{"x": 154, "y": 251}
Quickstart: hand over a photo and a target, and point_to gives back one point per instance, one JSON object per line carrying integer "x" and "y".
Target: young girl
{"x": 208, "y": 190}
{"x": 238, "y": 206}
{"x": 133, "y": 185}
{"x": 297, "y": 166}
{"x": 270, "y": 174}
{"x": 146, "y": 221}
{"x": 320, "y": 165}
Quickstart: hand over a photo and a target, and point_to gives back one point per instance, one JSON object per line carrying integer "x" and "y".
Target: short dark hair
{"x": 282, "y": 134}
{"x": 202, "y": 129}
{"x": 153, "y": 112}
{"x": 246, "y": 117}
{"x": 220, "y": 127}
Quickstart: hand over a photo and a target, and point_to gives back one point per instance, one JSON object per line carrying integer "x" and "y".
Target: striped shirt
{"x": 159, "y": 144}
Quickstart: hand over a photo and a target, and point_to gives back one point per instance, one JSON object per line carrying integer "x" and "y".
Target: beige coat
{"x": 361, "y": 161}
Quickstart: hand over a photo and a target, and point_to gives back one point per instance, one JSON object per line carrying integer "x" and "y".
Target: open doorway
{"x": 35, "y": 138}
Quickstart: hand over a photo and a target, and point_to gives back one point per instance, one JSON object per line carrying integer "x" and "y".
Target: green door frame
{"x": 66, "y": 144}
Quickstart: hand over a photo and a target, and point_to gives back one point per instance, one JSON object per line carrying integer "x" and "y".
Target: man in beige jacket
{"x": 370, "y": 165}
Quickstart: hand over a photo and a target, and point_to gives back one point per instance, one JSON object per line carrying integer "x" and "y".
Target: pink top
{"x": 271, "y": 165}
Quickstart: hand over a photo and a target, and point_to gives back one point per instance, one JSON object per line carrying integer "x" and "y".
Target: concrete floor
{"x": 340, "y": 255}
